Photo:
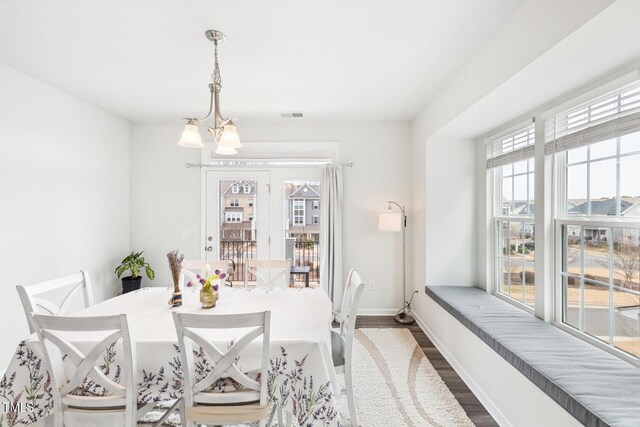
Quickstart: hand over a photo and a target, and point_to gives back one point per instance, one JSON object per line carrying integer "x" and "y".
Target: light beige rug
{"x": 395, "y": 385}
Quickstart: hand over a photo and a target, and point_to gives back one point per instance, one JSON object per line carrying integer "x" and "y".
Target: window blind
{"x": 513, "y": 147}
{"x": 614, "y": 114}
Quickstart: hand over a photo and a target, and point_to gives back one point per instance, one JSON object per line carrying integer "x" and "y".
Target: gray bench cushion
{"x": 597, "y": 388}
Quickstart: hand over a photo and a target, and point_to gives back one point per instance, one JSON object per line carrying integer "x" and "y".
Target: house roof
{"x": 230, "y": 185}
{"x": 601, "y": 207}
{"x": 308, "y": 191}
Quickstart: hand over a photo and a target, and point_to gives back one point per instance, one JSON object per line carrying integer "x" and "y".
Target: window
{"x": 247, "y": 189}
{"x": 511, "y": 166}
{"x": 316, "y": 205}
{"x": 316, "y": 220}
{"x": 250, "y": 217}
{"x": 233, "y": 217}
{"x": 298, "y": 211}
{"x": 235, "y": 189}
{"x": 234, "y": 203}
{"x": 597, "y": 148}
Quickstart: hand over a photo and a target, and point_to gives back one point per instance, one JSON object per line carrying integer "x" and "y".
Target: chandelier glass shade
{"x": 224, "y": 132}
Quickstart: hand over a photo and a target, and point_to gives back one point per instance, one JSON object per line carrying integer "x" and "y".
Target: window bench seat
{"x": 597, "y": 388}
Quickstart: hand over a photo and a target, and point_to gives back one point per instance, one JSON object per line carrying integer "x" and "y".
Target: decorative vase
{"x": 176, "y": 299}
{"x": 208, "y": 297}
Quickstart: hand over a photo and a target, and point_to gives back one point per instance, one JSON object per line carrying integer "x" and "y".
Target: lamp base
{"x": 404, "y": 318}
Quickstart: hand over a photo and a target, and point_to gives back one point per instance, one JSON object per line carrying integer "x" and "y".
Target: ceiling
{"x": 148, "y": 60}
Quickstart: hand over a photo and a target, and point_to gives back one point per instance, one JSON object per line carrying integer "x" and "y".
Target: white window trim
{"x": 549, "y": 206}
{"x": 315, "y": 219}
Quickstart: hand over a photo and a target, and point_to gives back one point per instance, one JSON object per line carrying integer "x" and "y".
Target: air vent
{"x": 291, "y": 115}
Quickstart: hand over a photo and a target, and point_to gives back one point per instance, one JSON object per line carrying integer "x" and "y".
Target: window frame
{"x": 494, "y": 180}
{"x": 233, "y": 214}
{"x": 299, "y": 209}
{"x": 551, "y": 207}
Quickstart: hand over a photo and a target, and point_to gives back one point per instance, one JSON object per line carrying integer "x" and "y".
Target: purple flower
{"x": 190, "y": 284}
{"x": 215, "y": 287}
{"x": 202, "y": 281}
{"x": 217, "y": 271}
{"x": 223, "y": 275}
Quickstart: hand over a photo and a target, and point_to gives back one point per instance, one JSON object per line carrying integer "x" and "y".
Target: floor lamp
{"x": 397, "y": 221}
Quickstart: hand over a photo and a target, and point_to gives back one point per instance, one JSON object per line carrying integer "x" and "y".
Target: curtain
{"x": 331, "y": 233}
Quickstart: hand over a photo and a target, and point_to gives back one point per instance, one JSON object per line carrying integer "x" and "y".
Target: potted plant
{"x": 133, "y": 262}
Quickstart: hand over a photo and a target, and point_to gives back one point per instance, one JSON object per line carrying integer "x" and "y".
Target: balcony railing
{"x": 305, "y": 253}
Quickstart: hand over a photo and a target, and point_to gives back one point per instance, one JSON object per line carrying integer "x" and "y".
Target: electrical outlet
{"x": 185, "y": 233}
{"x": 372, "y": 284}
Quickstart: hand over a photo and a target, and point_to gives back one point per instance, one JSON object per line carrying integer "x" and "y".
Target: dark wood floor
{"x": 472, "y": 406}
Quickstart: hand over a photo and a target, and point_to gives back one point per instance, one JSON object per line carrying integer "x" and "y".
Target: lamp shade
{"x": 191, "y": 137}
{"x": 390, "y": 221}
{"x": 225, "y": 151}
{"x": 229, "y": 137}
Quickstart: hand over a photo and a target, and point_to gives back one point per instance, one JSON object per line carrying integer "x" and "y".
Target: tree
{"x": 626, "y": 259}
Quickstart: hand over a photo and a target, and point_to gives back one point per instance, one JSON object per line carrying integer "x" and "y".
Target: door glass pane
{"x": 238, "y": 233}
{"x": 302, "y": 230}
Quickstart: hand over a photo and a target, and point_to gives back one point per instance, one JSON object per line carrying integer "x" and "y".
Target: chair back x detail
{"x": 202, "y": 404}
{"x": 118, "y": 402}
{"x": 32, "y": 303}
{"x": 282, "y": 271}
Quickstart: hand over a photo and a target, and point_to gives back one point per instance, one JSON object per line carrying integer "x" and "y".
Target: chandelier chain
{"x": 215, "y": 76}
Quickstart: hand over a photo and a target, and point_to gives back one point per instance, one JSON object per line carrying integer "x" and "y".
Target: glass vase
{"x": 208, "y": 297}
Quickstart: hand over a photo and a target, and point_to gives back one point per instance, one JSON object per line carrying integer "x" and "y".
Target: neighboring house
{"x": 520, "y": 208}
{"x": 629, "y": 207}
{"x": 238, "y": 211}
{"x": 303, "y": 211}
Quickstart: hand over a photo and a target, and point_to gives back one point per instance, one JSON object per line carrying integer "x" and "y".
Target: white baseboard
{"x": 377, "y": 311}
{"x": 464, "y": 375}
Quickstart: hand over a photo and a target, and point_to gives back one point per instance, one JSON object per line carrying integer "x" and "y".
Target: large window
{"x": 586, "y": 273}
{"x": 597, "y": 150}
{"x": 511, "y": 164}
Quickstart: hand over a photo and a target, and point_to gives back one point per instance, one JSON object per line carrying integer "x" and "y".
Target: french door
{"x": 237, "y": 217}
{"x": 250, "y": 214}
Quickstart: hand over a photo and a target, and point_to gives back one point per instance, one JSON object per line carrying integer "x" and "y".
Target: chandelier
{"x": 223, "y": 130}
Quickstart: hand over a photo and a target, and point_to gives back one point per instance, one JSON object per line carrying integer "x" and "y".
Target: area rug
{"x": 395, "y": 385}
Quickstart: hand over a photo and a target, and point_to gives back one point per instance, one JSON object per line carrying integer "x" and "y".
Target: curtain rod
{"x": 260, "y": 162}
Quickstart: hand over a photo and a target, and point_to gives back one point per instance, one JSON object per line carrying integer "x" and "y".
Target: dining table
{"x": 302, "y": 379}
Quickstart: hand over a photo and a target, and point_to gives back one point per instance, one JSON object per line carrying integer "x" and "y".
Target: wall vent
{"x": 291, "y": 115}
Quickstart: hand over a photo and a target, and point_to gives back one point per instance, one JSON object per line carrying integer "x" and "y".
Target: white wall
{"x": 165, "y": 195}
{"x": 508, "y": 395}
{"x": 64, "y": 193}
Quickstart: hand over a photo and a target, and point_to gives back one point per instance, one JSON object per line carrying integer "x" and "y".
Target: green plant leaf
{"x": 150, "y": 273}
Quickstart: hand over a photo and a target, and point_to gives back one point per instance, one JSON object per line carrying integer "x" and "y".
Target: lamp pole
{"x": 404, "y": 314}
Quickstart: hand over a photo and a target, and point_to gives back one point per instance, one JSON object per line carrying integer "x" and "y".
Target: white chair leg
{"x": 348, "y": 379}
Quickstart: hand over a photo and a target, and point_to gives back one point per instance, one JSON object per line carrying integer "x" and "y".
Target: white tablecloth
{"x": 301, "y": 379}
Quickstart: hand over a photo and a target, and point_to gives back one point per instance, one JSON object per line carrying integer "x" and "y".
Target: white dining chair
{"x": 342, "y": 338}
{"x": 267, "y": 272}
{"x": 203, "y": 405}
{"x": 191, "y": 267}
{"x": 33, "y": 303}
{"x": 118, "y": 405}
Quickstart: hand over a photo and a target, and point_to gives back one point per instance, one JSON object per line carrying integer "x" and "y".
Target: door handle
{"x": 208, "y": 248}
